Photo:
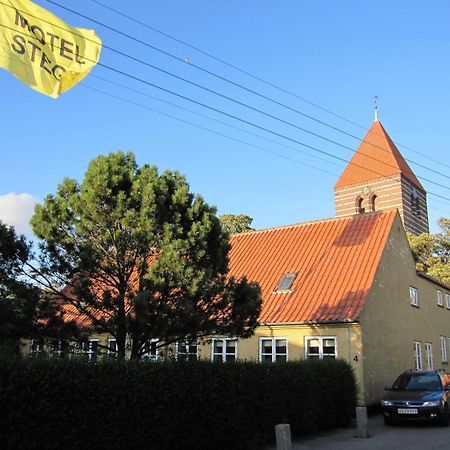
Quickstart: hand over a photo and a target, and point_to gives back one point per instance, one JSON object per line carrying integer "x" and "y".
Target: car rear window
{"x": 418, "y": 382}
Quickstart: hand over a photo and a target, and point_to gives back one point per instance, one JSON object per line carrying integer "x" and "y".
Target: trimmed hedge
{"x": 71, "y": 404}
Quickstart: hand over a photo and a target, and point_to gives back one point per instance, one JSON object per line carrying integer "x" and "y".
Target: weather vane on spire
{"x": 376, "y": 107}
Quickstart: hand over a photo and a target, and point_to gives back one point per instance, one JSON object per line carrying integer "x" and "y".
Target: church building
{"x": 347, "y": 287}
{"x": 344, "y": 287}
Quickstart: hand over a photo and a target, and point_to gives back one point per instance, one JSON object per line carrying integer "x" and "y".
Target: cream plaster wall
{"x": 348, "y": 338}
{"x": 390, "y": 324}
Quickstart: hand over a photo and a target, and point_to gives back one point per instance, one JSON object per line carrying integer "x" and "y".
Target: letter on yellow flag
{"x": 42, "y": 50}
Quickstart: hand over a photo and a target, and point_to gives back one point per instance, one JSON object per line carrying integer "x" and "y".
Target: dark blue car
{"x": 418, "y": 395}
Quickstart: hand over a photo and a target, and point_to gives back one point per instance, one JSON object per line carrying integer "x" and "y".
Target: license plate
{"x": 407, "y": 411}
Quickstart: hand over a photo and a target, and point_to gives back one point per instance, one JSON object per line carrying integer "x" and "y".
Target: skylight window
{"x": 286, "y": 282}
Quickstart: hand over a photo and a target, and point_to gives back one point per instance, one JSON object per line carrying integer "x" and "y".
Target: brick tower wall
{"x": 415, "y": 214}
{"x": 391, "y": 193}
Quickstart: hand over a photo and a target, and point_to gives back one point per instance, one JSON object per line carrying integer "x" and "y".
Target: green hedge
{"x": 57, "y": 404}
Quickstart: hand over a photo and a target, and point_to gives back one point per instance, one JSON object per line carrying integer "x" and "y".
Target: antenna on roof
{"x": 376, "y": 107}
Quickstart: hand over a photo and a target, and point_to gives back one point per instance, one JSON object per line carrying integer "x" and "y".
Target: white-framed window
{"x": 417, "y": 355}
{"x": 447, "y": 300}
{"x": 413, "y": 296}
{"x": 150, "y": 350}
{"x": 320, "y": 347}
{"x": 187, "y": 351}
{"x": 443, "y": 349}
{"x": 60, "y": 348}
{"x": 90, "y": 349}
{"x": 112, "y": 348}
{"x": 273, "y": 349}
{"x": 440, "y": 300}
{"x": 224, "y": 350}
{"x": 36, "y": 346}
{"x": 429, "y": 355}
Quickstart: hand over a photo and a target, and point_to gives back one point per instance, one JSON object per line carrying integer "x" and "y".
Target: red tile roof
{"x": 336, "y": 261}
{"x": 376, "y": 157}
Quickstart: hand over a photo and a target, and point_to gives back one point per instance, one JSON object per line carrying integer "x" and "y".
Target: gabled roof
{"x": 376, "y": 157}
{"x": 335, "y": 260}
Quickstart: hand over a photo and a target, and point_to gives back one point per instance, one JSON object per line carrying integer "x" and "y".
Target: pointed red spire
{"x": 376, "y": 157}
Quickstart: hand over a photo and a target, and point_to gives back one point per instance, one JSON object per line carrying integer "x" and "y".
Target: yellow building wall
{"x": 348, "y": 342}
{"x": 390, "y": 324}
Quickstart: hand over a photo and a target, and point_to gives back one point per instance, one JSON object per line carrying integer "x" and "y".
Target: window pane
{"x": 192, "y": 348}
{"x": 230, "y": 358}
{"x": 286, "y": 281}
{"x": 217, "y": 358}
{"x": 280, "y": 358}
{"x": 218, "y": 346}
{"x": 313, "y": 347}
{"x": 230, "y": 347}
{"x": 266, "y": 345}
{"x": 280, "y": 346}
{"x": 266, "y": 358}
{"x": 329, "y": 347}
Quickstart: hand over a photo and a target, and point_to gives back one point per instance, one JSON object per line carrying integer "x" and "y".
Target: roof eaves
{"x": 434, "y": 280}
{"x": 347, "y": 321}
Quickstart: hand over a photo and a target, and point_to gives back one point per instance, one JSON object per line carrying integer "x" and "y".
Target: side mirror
{"x": 387, "y": 388}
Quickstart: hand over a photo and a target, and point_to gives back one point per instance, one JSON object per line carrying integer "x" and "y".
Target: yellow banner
{"x": 43, "y": 51}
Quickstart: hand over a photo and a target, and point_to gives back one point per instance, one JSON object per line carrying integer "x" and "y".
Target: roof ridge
{"x": 309, "y": 222}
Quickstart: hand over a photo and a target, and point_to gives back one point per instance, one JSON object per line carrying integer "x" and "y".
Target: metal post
{"x": 362, "y": 422}
{"x": 283, "y": 436}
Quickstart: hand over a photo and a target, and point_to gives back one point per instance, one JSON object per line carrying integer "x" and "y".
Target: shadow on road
{"x": 407, "y": 436}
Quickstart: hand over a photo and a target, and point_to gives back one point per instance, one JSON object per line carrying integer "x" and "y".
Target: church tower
{"x": 378, "y": 178}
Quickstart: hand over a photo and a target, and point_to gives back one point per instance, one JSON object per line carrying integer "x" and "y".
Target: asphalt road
{"x": 411, "y": 436}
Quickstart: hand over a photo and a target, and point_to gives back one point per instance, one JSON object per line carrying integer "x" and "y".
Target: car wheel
{"x": 445, "y": 419}
{"x": 388, "y": 421}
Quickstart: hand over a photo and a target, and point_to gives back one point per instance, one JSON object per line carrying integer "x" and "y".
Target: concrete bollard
{"x": 362, "y": 425}
{"x": 283, "y": 436}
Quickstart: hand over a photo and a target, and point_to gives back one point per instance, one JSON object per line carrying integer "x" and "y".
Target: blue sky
{"x": 337, "y": 55}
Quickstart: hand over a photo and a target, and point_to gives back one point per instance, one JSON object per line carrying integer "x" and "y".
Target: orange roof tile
{"x": 376, "y": 157}
{"x": 335, "y": 260}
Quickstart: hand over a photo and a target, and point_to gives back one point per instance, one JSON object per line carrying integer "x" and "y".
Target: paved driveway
{"x": 422, "y": 436}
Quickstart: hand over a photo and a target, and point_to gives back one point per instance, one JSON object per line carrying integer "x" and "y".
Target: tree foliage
{"x": 236, "y": 223}
{"x": 432, "y": 252}
{"x": 141, "y": 256}
{"x": 25, "y": 311}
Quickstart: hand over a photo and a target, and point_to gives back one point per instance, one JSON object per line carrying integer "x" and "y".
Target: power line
{"x": 226, "y": 63}
{"x": 227, "y": 97}
{"x": 214, "y": 131}
{"x": 207, "y": 129}
{"x": 255, "y": 77}
{"x": 158, "y": 99}
{"x": 128, "y": 36}
{"x": 146, "y": 82}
